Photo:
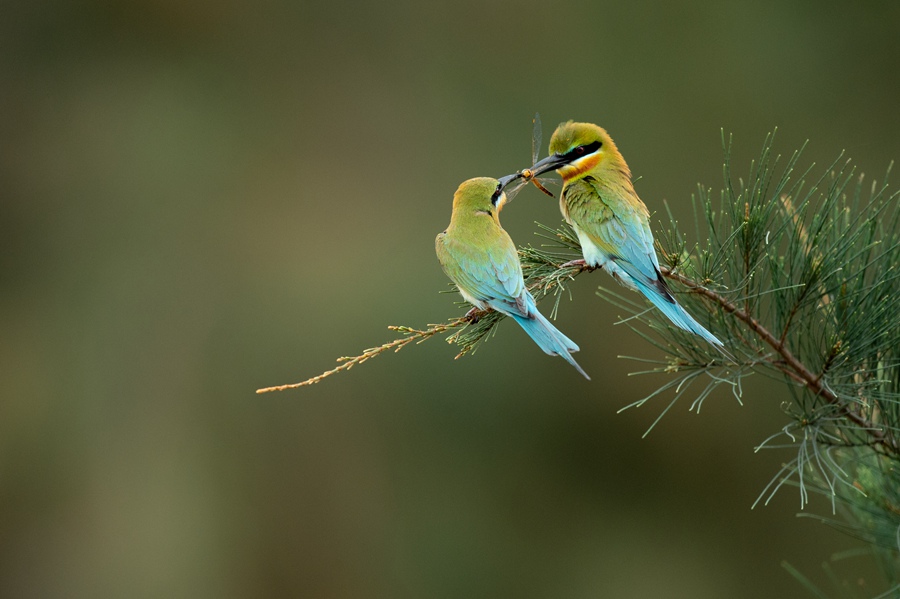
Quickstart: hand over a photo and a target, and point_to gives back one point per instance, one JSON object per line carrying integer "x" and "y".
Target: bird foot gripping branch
{"x": 474, "y": 315}
{"x": 580, "y": 263}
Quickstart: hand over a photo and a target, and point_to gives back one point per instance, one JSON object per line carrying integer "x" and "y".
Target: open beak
{"x": 509, "y": 194}
{"x": 550, "y": 163}
{"x": 504, "y": 181}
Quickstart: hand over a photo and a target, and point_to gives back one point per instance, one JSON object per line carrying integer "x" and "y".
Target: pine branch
{"x": 792, "y": 367}
{"x": 800, "y": 277}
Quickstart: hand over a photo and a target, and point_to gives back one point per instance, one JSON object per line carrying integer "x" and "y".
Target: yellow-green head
{"x": 581, "y": 149}
{"x": 481, "y": 196}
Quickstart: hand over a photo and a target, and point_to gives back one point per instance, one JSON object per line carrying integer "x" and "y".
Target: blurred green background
{"x": 201, "y": 198}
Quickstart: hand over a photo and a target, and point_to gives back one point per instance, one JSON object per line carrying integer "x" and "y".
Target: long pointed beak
{"x": 504, "y": 181}
{"x": 550, "y": 163}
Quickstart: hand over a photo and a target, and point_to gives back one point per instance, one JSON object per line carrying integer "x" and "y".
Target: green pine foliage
{"x": 800, "y": 278}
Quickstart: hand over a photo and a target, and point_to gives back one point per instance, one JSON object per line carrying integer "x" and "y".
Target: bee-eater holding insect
{"x": 612, "y": 223}
{"x": 481, "y": 258}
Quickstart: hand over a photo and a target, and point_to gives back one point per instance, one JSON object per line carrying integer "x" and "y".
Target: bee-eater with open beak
{"x": 481, "y": 258}
{"x": 611, "y": 221}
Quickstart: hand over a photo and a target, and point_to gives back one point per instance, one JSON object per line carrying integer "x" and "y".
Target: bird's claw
{"x": 580, "y": 263}
{"x": 473, "y": 315}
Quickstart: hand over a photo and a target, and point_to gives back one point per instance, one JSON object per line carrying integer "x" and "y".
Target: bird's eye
{"x": 579, "y": 151}
{"x": 592, "y": 147}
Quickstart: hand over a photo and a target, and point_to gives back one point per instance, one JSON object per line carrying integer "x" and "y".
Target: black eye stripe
{"x": 584, "y": 150}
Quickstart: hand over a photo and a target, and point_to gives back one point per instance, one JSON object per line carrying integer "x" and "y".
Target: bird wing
{"x": 488, "y": 271}
{"x": 616, "y": 221}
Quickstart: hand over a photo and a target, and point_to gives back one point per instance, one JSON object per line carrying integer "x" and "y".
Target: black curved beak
{"x": 550, "y": 163}
{"x": 504, "y": 181}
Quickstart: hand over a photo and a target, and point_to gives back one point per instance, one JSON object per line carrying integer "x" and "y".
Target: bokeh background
{"x": 201, "y": 198}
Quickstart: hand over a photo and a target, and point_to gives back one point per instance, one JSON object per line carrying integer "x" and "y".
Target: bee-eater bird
{"x": 611, "y": 221}
{"x": 481, "y": 258}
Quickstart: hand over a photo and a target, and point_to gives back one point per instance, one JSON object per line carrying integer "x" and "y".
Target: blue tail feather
{"x": 657, "y": 292}
{"x": 676, "y": 313}
{"x": 549, "y": 338}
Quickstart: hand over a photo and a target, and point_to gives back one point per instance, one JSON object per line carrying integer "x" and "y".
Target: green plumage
{"x": 481, "y": 258}
{"x": 475, "y": 251}
{"x": 613, "y": 224}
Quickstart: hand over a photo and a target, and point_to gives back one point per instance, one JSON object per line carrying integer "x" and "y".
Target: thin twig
{"x": 397, "y": 344}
